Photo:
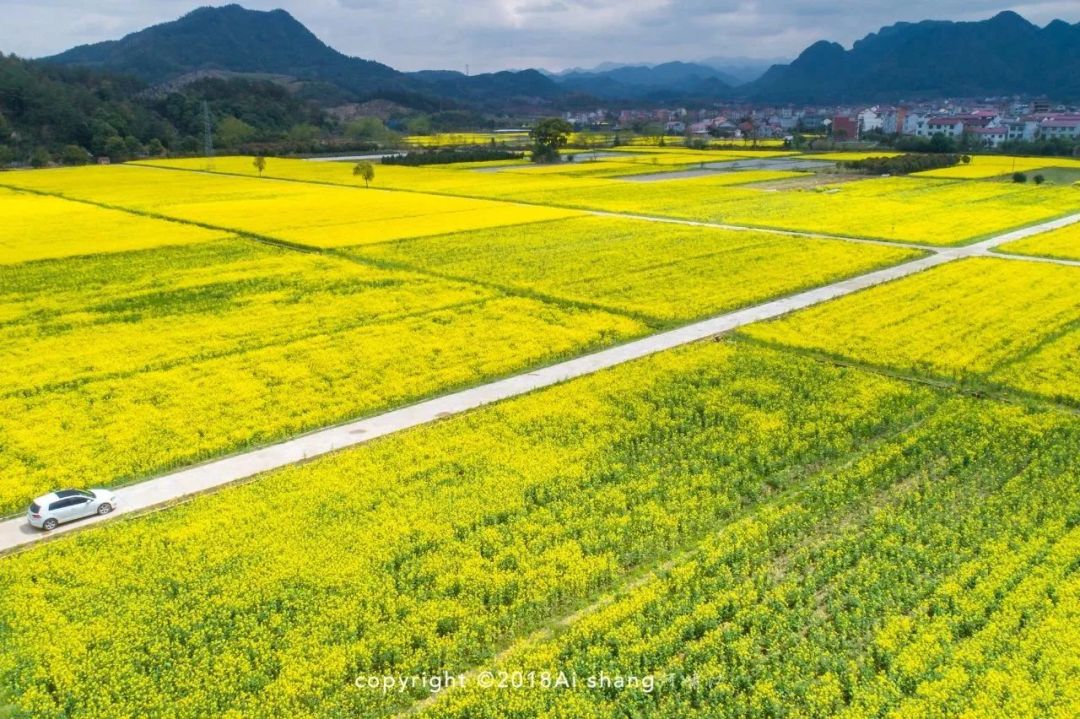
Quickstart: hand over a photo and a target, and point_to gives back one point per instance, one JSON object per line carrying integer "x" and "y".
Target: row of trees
{"x": 966, "y": 143}
{"x": 905, "y": 164}
{"x": 447, "y": 156}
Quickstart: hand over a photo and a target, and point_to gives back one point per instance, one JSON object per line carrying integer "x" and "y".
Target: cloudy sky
{"x": 498, "y": 34}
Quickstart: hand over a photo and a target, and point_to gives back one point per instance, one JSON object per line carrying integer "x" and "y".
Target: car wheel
{"x": 49, "y": 524}
{"x": 104, "y": 509}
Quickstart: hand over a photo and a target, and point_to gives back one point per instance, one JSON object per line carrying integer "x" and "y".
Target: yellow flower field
{"x": 451, "y": 139}
{"x": 517, "y": 181}
{"x": 35, "y": 227}
{"x": 919, "y": 578}
{"x": 441, "y": 179}
{"x": 1063, "y": 243}
{"x": 320, "y": 216}
{"x": 778, "y": 495}
{"x": 1052, "y": 370}
{"x": 472, "y": 531}
{"x": 138, "y": 362}
{"x": 986, "y": 166}
{"x": 663, "y": 272}
{"x": 988, "y": 320}
{"x": 786, "y": 515}
{"x": 906, "y": 209}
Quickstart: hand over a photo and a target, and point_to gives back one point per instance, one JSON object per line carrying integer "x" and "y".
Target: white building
{"x": 912, "y": 122}
{"x": 1063, "y": 127}
{"x": 990, "y": 136}
{"x": 870, "y": 119}
{"x": 1021, "y": 129}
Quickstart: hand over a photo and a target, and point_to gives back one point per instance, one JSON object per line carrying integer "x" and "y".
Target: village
{"x": 979, "y": 124}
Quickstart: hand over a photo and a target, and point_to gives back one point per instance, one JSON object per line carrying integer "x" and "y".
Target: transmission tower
{"x": 208, "y": 137}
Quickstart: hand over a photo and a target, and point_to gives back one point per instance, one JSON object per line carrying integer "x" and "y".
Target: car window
{"x": 34, "y": 507}
{"x": 59, "y": 504}
{"x": 65, "y": 493}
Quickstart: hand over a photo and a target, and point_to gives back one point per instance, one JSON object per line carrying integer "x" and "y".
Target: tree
{"x": 40, "y": 157}
{"x": 1038, "y": 179}
{"x": 154, "y": 148}
{"x": 132, "y": 146}
{"x": 548, "y": 136}
{"x": 260, "y": 164}
{"x": 74, "y": 155}
{"x": 1019, "y": 177}
{"x": 370, "y": 129}
{"x": 231, "y": 132}
{"x": 7, "y": 156}
{"x": 305, "y": 133}
{"x": 101, "y": 133}
{"x": 419, "y": 125}
{"x": 966, "y": 159}
{"x": 364, "y": 170}
{"x": 940, "y": 143}
{"x": 115, "y": 149}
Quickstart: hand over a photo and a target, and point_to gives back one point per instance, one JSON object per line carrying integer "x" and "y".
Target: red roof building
{"x": 845, "y": 128}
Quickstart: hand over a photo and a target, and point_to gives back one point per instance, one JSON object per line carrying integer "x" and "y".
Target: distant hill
{"x": 229, "y": 38}
{"x": 234, "y": 39}
{"x": 668, "y": 80}
{"x": 46, "y": 107}
{"x": 1004, "y": 55}
{"x": 742, "y": 69}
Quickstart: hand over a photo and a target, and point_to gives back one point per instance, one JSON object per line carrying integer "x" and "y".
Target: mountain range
{"x": 1004, "y": 55}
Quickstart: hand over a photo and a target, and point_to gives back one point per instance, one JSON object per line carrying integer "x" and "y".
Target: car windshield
{"x": 65, "y": 493}
{"x": 34, "y": 507}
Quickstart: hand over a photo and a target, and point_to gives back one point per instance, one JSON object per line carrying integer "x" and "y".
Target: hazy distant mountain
{"x": 742, "y": 69}
{"x": 1004, "y": 55}
{"x": 670, "y": 80}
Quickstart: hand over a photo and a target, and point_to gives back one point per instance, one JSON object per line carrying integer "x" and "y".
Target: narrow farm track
{"x": 176, "y": 486}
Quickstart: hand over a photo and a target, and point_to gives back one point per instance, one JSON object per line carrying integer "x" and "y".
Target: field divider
{"x": 975, "y": 387}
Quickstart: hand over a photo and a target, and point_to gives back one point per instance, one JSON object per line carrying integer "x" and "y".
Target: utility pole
{"x": 208, "y": 137}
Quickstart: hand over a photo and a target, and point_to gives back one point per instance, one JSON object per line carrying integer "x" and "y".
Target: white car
{"x": 54, "y": 509}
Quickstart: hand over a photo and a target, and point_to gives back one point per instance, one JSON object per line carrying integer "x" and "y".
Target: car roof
{"x": 61, "y": 494}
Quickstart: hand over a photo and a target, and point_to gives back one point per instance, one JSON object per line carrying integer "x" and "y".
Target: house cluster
{"x": 987, "y": 125}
